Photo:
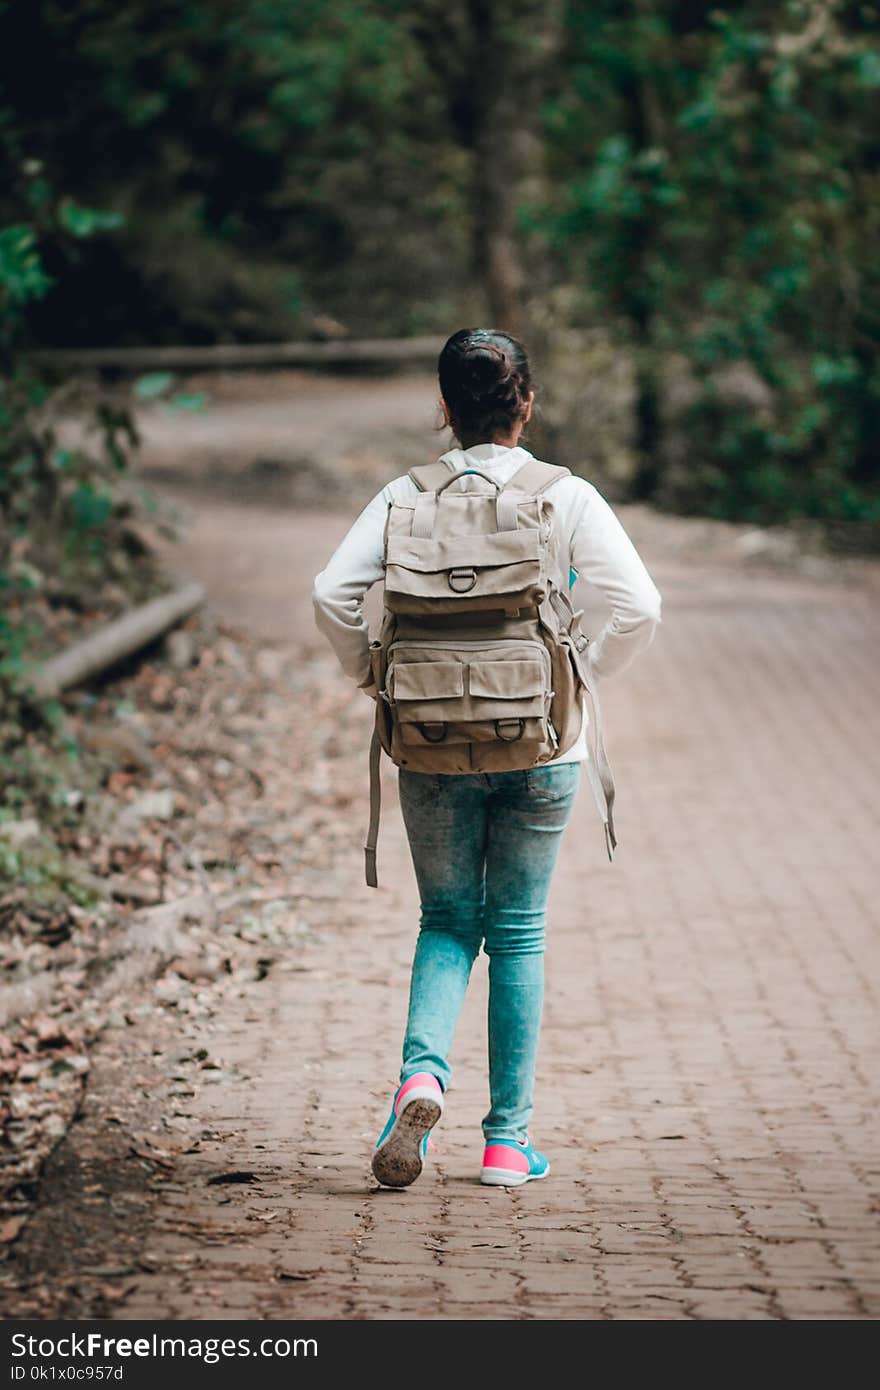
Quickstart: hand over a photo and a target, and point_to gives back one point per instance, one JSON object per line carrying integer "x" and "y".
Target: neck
{"x": 506, "y": 441}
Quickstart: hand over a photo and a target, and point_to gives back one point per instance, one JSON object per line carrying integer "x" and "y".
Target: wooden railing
{"x": 222, "y": 356}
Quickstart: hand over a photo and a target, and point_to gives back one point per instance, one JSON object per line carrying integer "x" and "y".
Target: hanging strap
{"x": 598, "y": 767}
{"x": 375, "y": 810}
{"x": 598, "y": 772}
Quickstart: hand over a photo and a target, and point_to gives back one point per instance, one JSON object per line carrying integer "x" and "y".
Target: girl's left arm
{"x": 603, "y": 554}
{"x": 338, "y": 592}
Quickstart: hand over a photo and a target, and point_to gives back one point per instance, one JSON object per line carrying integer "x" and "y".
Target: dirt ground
{"x": 707, "y": 1087}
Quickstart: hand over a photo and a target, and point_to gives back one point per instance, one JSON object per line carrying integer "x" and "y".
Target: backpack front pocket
{"x": 427, "y": 689}
{"x": 474, "y": 693}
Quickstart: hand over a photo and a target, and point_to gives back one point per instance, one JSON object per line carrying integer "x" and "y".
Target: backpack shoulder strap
{"x": 535, "y": 476}
{"x": 428, "y": 476}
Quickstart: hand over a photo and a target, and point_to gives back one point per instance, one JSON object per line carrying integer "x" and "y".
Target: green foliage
{"x": 60, "y": 503}
{"x": 271, "y": 159}
{"x": 85, "y": 222}
{"x": 22, "y": 276}
{"x": 726, "y": 212}
{"x": 46, "y": 873}
{"x": 155, "y": 386}
{"x": 147, "y": 388}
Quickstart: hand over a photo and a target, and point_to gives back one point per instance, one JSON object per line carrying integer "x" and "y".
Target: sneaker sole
{"x": 399, "y": 1161}
{"x": 504, "y": 1177}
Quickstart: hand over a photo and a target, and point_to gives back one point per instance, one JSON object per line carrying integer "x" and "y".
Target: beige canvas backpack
{"x": 480, "y": 664}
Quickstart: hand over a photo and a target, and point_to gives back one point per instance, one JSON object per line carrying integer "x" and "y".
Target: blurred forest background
{"x": 676, "y": 204}
{"x": 695, "y": 189}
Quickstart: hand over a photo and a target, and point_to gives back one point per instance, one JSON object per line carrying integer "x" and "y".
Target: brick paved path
{"x": 707, "y": 1085}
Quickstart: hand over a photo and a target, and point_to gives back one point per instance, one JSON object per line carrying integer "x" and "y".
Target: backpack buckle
{"x": 461, "y": 581}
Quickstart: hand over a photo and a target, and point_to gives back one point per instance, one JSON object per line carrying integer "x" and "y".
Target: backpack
{"x": 480, "y": 662}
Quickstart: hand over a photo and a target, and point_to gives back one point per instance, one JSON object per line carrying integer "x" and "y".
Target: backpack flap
{"x": 501, "y": 571}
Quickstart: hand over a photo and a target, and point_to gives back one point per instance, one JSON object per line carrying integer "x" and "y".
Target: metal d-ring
{"x": 434, "y": 737}
{"x": 461, "y": 581}
{"x": 521, "y": 728}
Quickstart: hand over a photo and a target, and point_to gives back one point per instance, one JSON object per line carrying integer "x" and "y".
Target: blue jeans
{"x": 484, "y": 846}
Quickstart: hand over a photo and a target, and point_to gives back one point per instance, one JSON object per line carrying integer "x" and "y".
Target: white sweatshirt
{"x": 597, "y": 545}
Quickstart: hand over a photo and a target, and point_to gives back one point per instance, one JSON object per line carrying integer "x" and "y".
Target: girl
{"x": 484, "y": 845}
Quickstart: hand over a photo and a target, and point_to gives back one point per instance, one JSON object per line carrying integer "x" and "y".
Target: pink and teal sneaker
{"x": 508, "y": 1164}
{"x": 402, "y": 1145}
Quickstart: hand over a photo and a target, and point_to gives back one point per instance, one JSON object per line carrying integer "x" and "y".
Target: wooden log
{"x": 116, "y": 640}
{"x": 221, "y": 356}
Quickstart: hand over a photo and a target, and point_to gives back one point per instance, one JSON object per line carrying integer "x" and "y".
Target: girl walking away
{"x": 480, "y": 677}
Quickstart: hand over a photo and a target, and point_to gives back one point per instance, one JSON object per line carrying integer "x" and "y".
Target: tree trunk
{"x": 515, "y": 44}
{"x": 493, "y": 58}
{"x": 114, "y": 641}
{"x": 644, "y": 119}
{"x": 497, "y": 256}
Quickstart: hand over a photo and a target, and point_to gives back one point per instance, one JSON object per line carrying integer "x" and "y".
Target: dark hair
{"x": 485, "y": 380}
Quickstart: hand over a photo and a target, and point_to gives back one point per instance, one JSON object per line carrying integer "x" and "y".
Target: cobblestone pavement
{"x": 707, "y": 1087}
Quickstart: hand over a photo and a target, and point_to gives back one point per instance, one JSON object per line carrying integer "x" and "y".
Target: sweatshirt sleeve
{"x": 603, "y": 554}
{"x": 338, "y": 593}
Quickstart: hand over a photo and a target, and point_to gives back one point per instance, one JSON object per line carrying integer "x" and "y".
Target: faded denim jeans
{"x": 484, "y": 846}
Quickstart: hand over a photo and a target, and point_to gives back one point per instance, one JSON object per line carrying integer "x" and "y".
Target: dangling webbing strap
{"x": 598, "y": 771}
{"x": 598, "y": 767}
{"x": 375, "y": 810}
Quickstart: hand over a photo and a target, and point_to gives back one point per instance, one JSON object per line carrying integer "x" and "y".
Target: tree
{"x": 495, "y": 60}
{"x": 724, "y": 214}
{"x": 269, "y": 160}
